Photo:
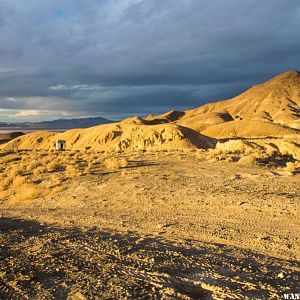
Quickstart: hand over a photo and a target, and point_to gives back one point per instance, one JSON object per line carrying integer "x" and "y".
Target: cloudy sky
{"x": 66, "y": 58}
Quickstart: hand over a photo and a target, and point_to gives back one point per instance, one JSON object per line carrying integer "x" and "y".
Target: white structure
{"x": 60, "y": 145}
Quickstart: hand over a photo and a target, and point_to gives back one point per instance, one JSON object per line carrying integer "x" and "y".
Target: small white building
{"x": 60, "y": 145}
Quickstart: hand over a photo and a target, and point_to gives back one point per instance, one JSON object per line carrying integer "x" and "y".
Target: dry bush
{"x": 125, "y": 173}
{"x": 33, "y": 165}
{"x": 115, "y": 164}
{"x": 95, "y": 157}
{"x": 15, "y": 170}
{"x": 53, "y": 166}
{"x": 72, "y": 171}
{"x": 32, "y": 156}
{"x": 72, "y": 153}
{"x": 58, "y": 189}
{"x": 248, "y": 160}
{"x": 78, "y": 156}
{"x": 11, "y": 158}
{"x": 25, "y": 192}
{"x": 65, "y": 159}
{"x": 70, "y": 161}
{"x": 56, "y": 180}
{"x": 39, "y": 170}
{"x": 44, "y": 160}
{"x": 90, "y": 164}
{"x": 18, "y": 181}
{"x": 97, "y": 161}
{"x": 5, "y": 183}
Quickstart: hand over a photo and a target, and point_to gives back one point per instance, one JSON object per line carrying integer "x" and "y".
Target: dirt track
{"x": 168, "y": 227}
{"x": 40, "y": 262}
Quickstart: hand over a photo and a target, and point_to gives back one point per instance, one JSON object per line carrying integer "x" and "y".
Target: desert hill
{"x": 271, "y": 107}
{"x": 116, "y": 137}
{"x": 268, "y": 109}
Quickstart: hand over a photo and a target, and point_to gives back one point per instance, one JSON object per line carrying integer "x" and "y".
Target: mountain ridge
{"x": 272, "y": 107}
{"x": 56, "y": 124}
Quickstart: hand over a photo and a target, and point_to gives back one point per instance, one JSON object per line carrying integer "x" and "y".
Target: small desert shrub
{"x": 18, "y": 181}
{"x": 65, "y": 159}
{"x": 70, "y": 161}
{"x": 53, "y": 166}
{"x": 56, "y": 180}
{"x": 78, "y": 156}
{"x": 248, "y": 160}
{"x": 33, "y": 165}
{"x": 58, "y": 189}
{"x": 15, "y": 170}
{"x": 72, "y": 171}
{"x": 39, "y": 170}
{"x": 95, "y": 156}
{"x": 11, "y": 158}
{"x": 5, "y": 183}
{"x": 25, "y": 192}
{"x": 90, "y": 164}
{"x": 115, "y": 164}
{"x": 46, "y": 160}
{"x": 124, "y": 173}
{"x": 97, "y": 161}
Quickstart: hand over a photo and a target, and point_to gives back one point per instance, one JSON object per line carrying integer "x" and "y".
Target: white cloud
{"x": 28, "y": 113}
{"x": 16, "y": 115}
{"x": 80, "y": 87}
{"x": 11, "y": 99}
{"x": 58, "y": 87}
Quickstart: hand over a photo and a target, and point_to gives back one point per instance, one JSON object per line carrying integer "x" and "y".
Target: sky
{"x": 118, "y": 58}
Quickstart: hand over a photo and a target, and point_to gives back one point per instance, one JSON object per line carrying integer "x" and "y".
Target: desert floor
{"x": 169, "y": 225}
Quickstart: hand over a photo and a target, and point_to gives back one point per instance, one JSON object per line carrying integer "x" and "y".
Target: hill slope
{"x": 115, "y": 137}
{"x": 268, "y": 109}
{"x": 275, "y": 102}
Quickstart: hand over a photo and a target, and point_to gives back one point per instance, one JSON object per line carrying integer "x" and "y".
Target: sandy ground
{"x": 168, "y": 226}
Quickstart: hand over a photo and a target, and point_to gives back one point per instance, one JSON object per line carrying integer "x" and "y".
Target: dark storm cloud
{"x": 140, "y": 56}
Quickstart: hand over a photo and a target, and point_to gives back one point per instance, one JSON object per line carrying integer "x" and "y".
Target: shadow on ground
{"x": 41, "y": 262}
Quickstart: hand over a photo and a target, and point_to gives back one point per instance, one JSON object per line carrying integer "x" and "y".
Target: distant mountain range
{"x": 56, "y": 124}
